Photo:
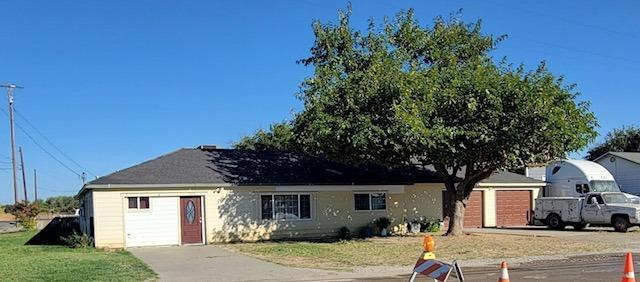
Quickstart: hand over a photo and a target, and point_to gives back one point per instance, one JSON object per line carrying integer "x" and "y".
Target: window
{"x": 144, "y": 202}
{"x": 595, "y": 200}
{"x": 133, "y": 203}
{"x": 582, "y": 188}
{"x": 138, "y": 202}
{"x": 370, "y": 201}
{"x": 616, "y": 198}
{"x": 604, "y": 186}
{"x": 286, "y": 206}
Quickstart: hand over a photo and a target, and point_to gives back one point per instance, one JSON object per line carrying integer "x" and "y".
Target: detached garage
{"x": 505, "y": 199}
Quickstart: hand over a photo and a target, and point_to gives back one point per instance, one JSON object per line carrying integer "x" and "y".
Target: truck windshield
{"x": 604, "y": 186}
{"x": 615, "y": 198}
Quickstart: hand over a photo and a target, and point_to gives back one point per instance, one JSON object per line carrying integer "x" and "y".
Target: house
{"x": 206, "y": 195}
{"x": 625, "y": 168}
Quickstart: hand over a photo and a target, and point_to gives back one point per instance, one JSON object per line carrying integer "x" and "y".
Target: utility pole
{"x": 35, "y": 185}
{"x": 10, "y": 88}
{"x": 24, "y": 176}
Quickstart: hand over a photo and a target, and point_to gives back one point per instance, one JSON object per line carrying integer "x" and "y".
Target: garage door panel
{"x": 158, "y": 225}
{"x": 512, "y": 207}
{"x": 473, "y": 211}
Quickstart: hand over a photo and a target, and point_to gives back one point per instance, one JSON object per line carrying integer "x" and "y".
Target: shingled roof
{"x": 630, "y": 156}
{"x": 251, "y": 167}
{"x": 505, "y": 177}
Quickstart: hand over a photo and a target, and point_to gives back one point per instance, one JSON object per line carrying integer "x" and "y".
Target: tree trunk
{"x": 456, "y": 217}
{"x": 458, "y": 193}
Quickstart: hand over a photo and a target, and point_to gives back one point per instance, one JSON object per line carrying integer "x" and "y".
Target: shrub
{"x": 433, "y": 226}
{"x": 366, "y": 232}
{"x": 345, "y": 233}
{"x": 383, "y": 222}
{"x": 76, "y": 240}
{"x": 25, "y": 213}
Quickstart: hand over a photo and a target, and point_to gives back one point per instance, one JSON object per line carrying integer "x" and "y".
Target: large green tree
{"x": 407, "y": 94}
{"x": 626, "y": 139}
{"x": 279, "y": 137}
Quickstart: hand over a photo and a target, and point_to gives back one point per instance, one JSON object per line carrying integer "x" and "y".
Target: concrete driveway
{"x": 214, "y": 263}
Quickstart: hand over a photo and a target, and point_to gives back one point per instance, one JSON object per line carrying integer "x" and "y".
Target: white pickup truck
{"x": 595, "y": 208}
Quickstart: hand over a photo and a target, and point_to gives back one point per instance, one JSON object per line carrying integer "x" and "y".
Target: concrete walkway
{"x": 214, "y": 263}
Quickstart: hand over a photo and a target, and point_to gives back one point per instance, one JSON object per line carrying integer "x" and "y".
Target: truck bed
{"x": 568, "y": 208}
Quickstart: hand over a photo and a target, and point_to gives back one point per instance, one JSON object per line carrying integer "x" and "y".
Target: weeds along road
{"x": 602, "y": 267}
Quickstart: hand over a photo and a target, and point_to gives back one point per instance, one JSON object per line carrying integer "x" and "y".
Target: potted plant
{"x": 383, "y": 223}
{"x": 415, "y": 226}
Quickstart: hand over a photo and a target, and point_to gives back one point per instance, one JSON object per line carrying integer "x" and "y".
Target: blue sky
{"x": 114, "y": 83}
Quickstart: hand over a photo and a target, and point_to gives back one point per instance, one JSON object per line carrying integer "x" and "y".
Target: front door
{"x": 191, "y": 220}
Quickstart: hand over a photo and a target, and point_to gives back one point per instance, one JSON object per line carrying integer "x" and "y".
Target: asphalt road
{"x": 605, "y": 267}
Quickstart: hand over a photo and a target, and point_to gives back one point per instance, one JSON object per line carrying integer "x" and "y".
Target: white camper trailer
{"x": 575, "y": 178}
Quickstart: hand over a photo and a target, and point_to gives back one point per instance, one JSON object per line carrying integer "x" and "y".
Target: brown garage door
{"x": 512, "y": 207}
{"x": 473, "y": 212}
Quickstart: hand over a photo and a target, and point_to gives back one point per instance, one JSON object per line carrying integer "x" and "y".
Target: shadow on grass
{"x": 56, "y": 229}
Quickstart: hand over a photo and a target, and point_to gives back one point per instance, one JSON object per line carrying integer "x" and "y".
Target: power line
{"x": 51, "y": 143}
{"x": 538, "y": 14}
{"x": 43, "y": 149}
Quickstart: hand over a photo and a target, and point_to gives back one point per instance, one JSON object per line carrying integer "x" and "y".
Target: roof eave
{"x": 515, "y": 184}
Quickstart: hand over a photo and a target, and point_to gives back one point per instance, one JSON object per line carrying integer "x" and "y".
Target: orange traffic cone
{"x": 628, "y": 275}
{"x": 504, "y": 272}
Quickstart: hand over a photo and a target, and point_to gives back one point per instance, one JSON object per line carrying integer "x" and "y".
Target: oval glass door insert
{"x": 190, "y": 212}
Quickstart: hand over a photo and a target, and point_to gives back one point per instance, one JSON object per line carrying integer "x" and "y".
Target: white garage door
{"x": 156, "y": 225}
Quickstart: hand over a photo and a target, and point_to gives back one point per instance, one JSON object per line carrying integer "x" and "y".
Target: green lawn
{"x": 19, "y": 262}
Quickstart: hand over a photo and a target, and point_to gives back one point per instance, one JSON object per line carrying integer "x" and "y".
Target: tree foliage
{"x": 59, "y": 204}
{"x": 279, "y": 137}
{"x": 25, "y": 213}
{"x": 626, "y": 139}
{"x": 402, "y": 93}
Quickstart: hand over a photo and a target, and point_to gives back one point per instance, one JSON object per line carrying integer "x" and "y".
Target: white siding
{"x": 626, "y": 173}
{"x": 538, "y": 172}
{"x": 158, "y": 225}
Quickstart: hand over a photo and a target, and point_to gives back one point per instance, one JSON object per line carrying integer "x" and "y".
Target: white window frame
{"x": 370, "y": 202}
{"x": 273, "y": 206}
{"x": 137, "y": 208}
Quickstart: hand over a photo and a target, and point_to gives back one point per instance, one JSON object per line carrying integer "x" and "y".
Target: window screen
{"x": 133, "y": 202}
{"x": 305, "y": 206}
{"x": 378, "y": 201}
{"x": 144, "y": 202}
{"x": 361, "y": 202}
{"x": 267, "y": 206}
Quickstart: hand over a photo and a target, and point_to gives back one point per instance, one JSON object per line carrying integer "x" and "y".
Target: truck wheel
{"x": 579, "y": 226}
{"x": 555, "y": 222}
{"x": 620, "y": 224}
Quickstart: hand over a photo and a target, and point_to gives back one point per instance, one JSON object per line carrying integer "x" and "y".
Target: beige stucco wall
{"x": 237, "y": 216}
{"x": 233, "y": 213}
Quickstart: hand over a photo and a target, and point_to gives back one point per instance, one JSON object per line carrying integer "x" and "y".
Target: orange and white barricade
{"x": 432, "y": 268}
{"x": 429, "y": 266}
